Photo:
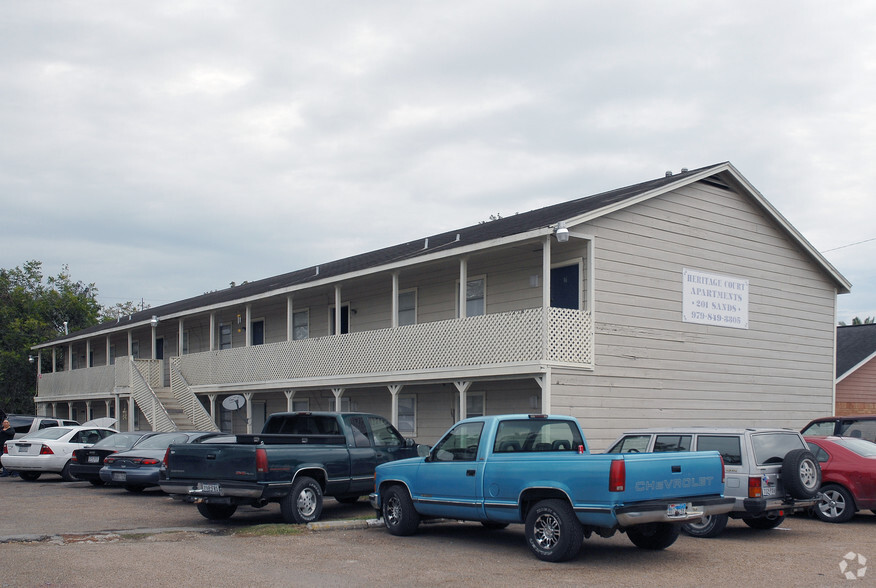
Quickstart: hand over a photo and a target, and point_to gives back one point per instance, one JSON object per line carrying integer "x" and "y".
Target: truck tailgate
{"x": 655, "y": 476}
{"x": 219, "y": 461}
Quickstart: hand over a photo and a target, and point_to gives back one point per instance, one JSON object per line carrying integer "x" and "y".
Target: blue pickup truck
{"x": 537, "y": 470}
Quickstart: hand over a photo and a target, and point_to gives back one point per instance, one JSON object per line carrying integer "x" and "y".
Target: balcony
{"x": 493, "y": 344}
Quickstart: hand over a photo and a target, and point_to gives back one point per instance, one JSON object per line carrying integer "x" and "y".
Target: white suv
{"x": 769, "y": 472}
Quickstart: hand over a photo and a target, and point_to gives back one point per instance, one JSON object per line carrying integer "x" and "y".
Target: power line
{"x": 849, "y": 245}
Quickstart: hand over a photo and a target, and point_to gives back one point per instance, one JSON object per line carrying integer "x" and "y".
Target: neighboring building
{"x": 855, "y": 370}
{"x": 687, "y": 300}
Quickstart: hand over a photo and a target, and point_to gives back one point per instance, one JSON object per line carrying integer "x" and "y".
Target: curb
{"x": 344, "y": 525}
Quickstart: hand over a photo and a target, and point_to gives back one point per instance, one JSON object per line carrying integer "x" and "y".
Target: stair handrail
{"x": 188, "y": 401}
{"x": 144, "y": 396}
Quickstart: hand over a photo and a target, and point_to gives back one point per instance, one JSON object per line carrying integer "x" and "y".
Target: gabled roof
{"x": 855, "y": 346}
{"x": 526, "y": 225}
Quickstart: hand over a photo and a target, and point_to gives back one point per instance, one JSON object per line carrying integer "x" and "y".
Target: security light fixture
{"x": 561, "y": 232}
{"x": 154, "y": 321}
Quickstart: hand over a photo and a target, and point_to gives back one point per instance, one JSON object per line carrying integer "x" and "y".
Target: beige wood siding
{"x": 856, "y": 393}
{"x": 652, "y": 369}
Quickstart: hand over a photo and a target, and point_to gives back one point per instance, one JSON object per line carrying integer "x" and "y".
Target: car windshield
{"x": 859, "y": 446}
{"x": 118, "y": 441}
{"x": 50, "y": 433}
{"x": 163, "y": 441}
{"x": 771, "y": 448}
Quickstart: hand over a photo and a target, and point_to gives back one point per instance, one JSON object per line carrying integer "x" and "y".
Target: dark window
{"x": 536, "y": 435}
{"x": 460, "y": 444}
{"x": 728, "y": 447}
{"x": 668, "y": 443}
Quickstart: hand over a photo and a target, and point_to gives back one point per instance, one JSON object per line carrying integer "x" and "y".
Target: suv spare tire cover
{"x": 801, "y": 473}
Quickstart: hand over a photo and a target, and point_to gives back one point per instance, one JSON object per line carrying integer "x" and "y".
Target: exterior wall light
{"x": 561, "y": 232}
{"x": 154, "y": 321}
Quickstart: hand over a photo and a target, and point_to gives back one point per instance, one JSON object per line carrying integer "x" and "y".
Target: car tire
{"x": 399, "y": 515}
{"x": 304, "y": 503}
{"x": 770, "y": 521}
{"x": 707, "y": 527}
{"x": 66, "y": 475}
{"x": 654, "y": 536}
{"x": 553, "y": 532}
{"x": 837, "y": 505}
{"x": 801, "y": 473}
{"x": 29, "y": 476}
{"x": 216, "y": 512}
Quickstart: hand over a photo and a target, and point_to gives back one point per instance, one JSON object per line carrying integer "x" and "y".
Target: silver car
{"x": 770, "y": 472}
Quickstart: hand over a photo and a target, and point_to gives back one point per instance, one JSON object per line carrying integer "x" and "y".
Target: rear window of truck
{"x": 536, "y": 435}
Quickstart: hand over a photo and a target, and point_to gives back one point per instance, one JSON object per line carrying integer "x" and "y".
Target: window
{"x": 384, "y": 433}
{"x": 225, "y": 336}
{"x": 360, "y": 432}
{"x": 460, "y": 444}
{"x": 536, "y": 435}
{"x": 475, "y": 298}
{"x": 300, "y": 325}
{"x": 407, "y": 307}
{"x": 667, "y": 443}
{"x": 135, "y": 349}
{"x": 302, "y": 405}
{"x": 474, "y": 405}
{"x": 772, "y": 447}
{"x": 631, "y": 444}
{"x": 185, "y": 350}
{"x": 112, "y": 357}
{"x": 728, "y": 447}
{"x": 407, "y": 416}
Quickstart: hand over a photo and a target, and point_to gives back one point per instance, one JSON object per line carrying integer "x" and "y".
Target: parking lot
{"x": 72, "y": 534}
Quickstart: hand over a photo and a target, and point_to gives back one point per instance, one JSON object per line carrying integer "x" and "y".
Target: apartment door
{"x": 566, "y": 287}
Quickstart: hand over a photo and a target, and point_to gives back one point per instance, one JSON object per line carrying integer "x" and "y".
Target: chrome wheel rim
{"x": 832, "y": 505}
{"x": 808, "y": 474}
{"x": 306, "y": 502}
{"x": 393, "y": 511}
{"x": 547, "y": 531}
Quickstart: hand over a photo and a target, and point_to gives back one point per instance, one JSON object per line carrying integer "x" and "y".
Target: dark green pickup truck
{"x": 296, "y": 460}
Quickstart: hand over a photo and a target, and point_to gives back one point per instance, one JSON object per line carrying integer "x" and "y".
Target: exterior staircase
{"x": 174, "y": 410}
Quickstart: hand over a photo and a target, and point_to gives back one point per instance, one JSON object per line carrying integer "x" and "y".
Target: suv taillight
{"x": 617, "y": 476}
{"x": 261, "y": 461}
{"x": 754, "y": 487}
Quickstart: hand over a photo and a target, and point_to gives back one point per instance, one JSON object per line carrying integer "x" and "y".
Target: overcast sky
{"x": 166, "y": 149}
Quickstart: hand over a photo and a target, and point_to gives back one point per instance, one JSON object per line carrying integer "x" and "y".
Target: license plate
{"x": 209, "y": 488}
{"x": 23, "y": 448}
{"x": 93, "y": 459}
{"x": 674, "y": 511}
{"x": 769, "y": 490}
{"x": 119, "y": 476}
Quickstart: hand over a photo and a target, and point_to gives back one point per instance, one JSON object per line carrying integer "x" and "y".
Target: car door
{"x": 447, "y": 482}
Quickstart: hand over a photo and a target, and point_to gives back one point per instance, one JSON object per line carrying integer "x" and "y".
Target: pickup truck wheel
{"x": 553, "y": 532}
{"x": 707, "y": 527}
{"x": 836, "y": 505}
{"x": 216, "y": 512}
{"x": 653, "y": 535}
{"x": 801, "y": 473}
{"x": 304, "y": 503}
{"x": 399, "y": 514}
{"x": 770, "y": 521}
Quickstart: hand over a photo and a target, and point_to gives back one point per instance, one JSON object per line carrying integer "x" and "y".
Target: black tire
{"x": 135, "y": 489}
{"x": 304, "y": 504}
{"x": 654, "y": 536}
{"x": 765, "y": 523}
{"x": 347, "y": 499}
{"x": 66, "y": 475}
{"x": 801, "y": 473}
{"x": 216, "y": 512}
{"x": 553, "y": 532}
{"x": 707, "y": 527}
{"x": 29, "y": 476}
{"x": 837, "y": 505}
{"x": 493, "y": 526}
{"x": 399, "y": 514}
{"x": 97, "y": 482}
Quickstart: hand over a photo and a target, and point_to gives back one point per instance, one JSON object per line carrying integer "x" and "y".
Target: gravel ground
{"x": 165, "y": 543}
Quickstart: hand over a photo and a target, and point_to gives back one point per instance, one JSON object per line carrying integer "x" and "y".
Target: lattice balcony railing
{"x": 525, "y": 336}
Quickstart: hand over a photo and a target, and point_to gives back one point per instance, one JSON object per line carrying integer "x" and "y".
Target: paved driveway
{"x": 192, "y": 552}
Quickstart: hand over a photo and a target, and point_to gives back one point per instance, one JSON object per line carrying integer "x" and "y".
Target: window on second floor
{"x": 225, "y": 336}
{"x": 475, "y": 297}
{"x": 300, "y": 325}
{"x": 258, "y": 332}
{"x": 407, "y": 307}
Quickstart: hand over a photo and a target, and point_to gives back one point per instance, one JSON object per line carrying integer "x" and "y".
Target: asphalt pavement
{"x": 55, "y": 533}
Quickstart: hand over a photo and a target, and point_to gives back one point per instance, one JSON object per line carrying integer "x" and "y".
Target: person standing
{"x": 7, "y": 433}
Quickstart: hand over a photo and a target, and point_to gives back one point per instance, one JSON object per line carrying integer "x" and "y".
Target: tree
{"x": 34, "y": 310}
{"x": 857, "y": 321}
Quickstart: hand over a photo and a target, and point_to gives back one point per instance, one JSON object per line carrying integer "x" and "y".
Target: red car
{"x": 848, "y": 476}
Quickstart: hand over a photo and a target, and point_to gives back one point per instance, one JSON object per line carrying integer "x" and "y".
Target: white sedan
{"x": 49, "y": 450}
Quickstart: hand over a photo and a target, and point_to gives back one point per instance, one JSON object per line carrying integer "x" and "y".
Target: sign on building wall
{"x": 710, "y": 299}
